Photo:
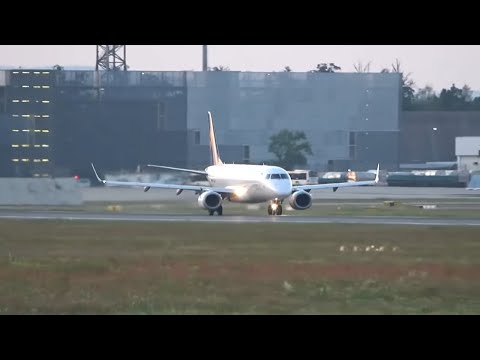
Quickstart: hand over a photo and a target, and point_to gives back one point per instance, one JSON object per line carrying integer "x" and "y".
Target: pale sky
{"x": 436, "y": 65}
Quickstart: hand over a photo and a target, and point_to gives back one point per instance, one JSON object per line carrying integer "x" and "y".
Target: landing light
{"x": 240, "y": 191}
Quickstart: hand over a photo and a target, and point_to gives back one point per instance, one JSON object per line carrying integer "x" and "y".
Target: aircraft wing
{"x": 335, "y": 186}
{"x": 147, "y": 186}
{"x": 201, "y": 172}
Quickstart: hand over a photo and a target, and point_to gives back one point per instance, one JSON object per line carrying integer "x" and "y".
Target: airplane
{"x": 242, "y": 183}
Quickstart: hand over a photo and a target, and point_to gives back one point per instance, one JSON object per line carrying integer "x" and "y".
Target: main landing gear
{"x": 219, "y": 211}
{"x": 275, "y": 208}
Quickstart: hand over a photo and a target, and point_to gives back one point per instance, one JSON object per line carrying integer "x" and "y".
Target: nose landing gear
{"x": 275, "y": 208}
{"x": 219, "y": 211}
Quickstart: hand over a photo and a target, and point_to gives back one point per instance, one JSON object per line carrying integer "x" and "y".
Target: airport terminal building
{"x": 55, "y": 122}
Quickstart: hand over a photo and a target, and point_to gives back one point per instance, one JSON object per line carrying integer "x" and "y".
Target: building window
{"x": 351, "y": 140}
{"x": 246, "y": 152}
{"x": 196, "y": 137}
{"x": 351, "y": 145}
{"x": 351, "y": 152}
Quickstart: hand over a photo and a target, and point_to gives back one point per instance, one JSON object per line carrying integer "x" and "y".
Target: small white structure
{"x": 467, "y": 150}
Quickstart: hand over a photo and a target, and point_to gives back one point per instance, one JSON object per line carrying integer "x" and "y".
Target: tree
{"x": 221, "y": 68}
{"x": 425, "y": 94}
{"x": 408, "y": 91}
{"x": 290, "y": 148}
{"x": 467, "y": 93}
{"x": 326, "y": 68}
{"x": 287, "y": 69}
{"x": 361, "y": 68}
{"x": 454, "y": 98}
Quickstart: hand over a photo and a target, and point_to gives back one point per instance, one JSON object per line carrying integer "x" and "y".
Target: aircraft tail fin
{"x": 215, "y": 157}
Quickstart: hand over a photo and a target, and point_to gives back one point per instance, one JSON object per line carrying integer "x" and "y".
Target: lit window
{"x": 15, "y": 130}
{"x": 15, "y": 160}
{"x": 25, "y": 101}
{"x": 37, "y": 130}
{"x": 44, "y": 145}
{"x": 26, "y": 130}
{"x": 15, "y": 145}
{"x": 45, "y": 131}
{"x": 25, "y": 160}
{"x": 15, "y": 100}
{"x": 36, "y": 175}
{"x": 45, "y": 116}
{"x": 25, "y": 145}
{"x": 25, "y": 72}
{"x": 45, "y": 101}
{"x": 45, "y": 87}
{"x": 36, "y": 145}
{"x": 46, "y": 72}
{"x": 36, "y": 72}
{"x": 44, "y": 160}
{"x": 37, "y": 116}
{"x": 36, "y": 86}
{"x": 25, "y": 115}
{"x": 25, "y": 86}
{"x": 16, "y": 72}
{"x": 36, "y": 160}
{"x": 15, "y": 115}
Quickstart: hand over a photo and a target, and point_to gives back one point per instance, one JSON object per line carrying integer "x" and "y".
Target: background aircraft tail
{"x": 215, "y": 157}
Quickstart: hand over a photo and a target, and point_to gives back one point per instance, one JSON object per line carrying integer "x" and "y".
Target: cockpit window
{"x": 276, "y": 176}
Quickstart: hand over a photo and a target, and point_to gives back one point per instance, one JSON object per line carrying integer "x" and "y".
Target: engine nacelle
{"x": 300, "y": 200}
{"x": 210, "y": 200}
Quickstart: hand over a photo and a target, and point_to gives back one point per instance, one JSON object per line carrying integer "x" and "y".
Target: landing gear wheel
{"x": 279, "y": 210}
{"x": 269, "y": 210}
{"x": 211, "y": 212}
{"x": 220, "y": 211}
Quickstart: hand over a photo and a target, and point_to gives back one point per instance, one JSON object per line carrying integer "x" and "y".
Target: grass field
{"x": 71, "y": 267}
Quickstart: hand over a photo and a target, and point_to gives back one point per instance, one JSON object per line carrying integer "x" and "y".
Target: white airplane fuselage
{"x": 252, "y": 183}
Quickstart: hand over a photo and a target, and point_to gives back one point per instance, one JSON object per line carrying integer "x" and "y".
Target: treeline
{"x": 453, "y": 99}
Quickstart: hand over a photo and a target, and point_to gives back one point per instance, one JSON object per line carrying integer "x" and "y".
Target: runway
{"x": 284, "y": 219}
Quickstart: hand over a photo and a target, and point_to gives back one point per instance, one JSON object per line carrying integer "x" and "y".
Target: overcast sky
{"x": 436, "y": 65}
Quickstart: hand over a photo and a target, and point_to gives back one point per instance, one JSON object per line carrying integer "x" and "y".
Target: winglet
{"x": 377, "y": 174}
{"x": 98, "y": 177}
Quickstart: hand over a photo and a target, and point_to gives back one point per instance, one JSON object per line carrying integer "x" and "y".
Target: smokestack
{"x": 205, "y": 58}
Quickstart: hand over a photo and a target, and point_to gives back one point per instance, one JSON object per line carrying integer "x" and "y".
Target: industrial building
{"x": 429, "y": 136}
{"x": 53, "y": 123}
{"x": 467, "y": 150}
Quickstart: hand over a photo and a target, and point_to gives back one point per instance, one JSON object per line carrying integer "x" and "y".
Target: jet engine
{"x": 300, "y": 200}
{"x": 210, "y": 200}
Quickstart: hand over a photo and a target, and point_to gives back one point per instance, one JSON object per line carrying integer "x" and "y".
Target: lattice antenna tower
{"x": 111, "y": 57}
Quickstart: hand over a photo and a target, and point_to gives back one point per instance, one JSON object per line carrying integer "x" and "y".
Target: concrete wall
{"x": 330, "y": 108}
{"x": 25, "y": 191}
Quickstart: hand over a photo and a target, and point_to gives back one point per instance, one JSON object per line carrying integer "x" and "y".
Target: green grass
{"x": 64, "y": 267}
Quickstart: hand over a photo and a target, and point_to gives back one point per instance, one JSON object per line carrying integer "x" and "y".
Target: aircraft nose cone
{"x": 283, "y": 189}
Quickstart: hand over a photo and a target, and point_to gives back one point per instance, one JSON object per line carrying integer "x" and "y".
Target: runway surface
{"x": 95, "y": 194}
{"x": 285, "y": 219}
